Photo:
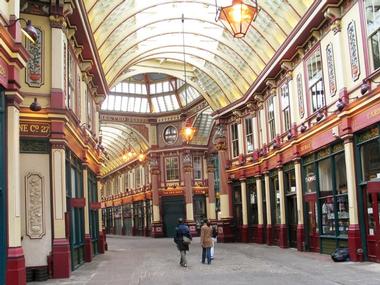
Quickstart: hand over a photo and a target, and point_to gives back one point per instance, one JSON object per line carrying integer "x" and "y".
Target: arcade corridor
{"x": 144, "y": 261}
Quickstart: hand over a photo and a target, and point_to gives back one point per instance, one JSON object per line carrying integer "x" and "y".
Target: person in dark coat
{"x": 181, "y": 231}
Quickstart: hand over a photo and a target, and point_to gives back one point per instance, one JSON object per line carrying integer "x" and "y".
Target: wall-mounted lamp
{"x": 319, "y": 116}
{"x": 35, "y": 106}
{"x": 29, "y": 30}
{"x": 237, "y": 17}
{"x": 340, "y": 105}
{"x": 303, "y": 128}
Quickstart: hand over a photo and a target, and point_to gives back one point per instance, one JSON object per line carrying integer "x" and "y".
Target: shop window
{"x": 197, "y": 167}
{"x": 373, "y": 30}
{"x": 285, "y": 105}
{"x": 138, "y": 177}
{"x": 172, "y": 168}
{"x": 315, "y": 80}
{"x": 249, "y": 134}
{"x": 310, "y": 179}
{"x": 252, "y": 202}
{"x": 369, "y": 154}
{"x": 235, "y": 140}
{"x": 330, "y": 168}
{"x": 289, "y": 180}
{"x": 71, "y": 67}
{"x": 271, "y": 120}
{"x": 199, "y": 210}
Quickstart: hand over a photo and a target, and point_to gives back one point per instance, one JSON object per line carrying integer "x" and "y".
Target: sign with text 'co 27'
{"x": 34, "y": 129}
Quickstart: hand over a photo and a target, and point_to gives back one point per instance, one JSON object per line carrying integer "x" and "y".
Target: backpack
{"x": 186, "y": 240}
{"x": 340, "y": 254}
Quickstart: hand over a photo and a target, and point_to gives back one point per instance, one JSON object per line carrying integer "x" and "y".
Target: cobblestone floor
{"x": 135, "y": 260}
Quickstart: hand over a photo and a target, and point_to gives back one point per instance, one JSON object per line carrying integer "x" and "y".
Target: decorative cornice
{"x": 57, "y": 21}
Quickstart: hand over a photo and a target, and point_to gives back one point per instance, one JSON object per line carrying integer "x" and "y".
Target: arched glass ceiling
{"x": 115, "y": 138}
{"x": 132, "y": 35}
{"x": 150, "y": 92}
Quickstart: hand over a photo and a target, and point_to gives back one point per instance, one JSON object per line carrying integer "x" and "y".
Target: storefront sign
{"x": 34, "y": 129}
{"x": 3, "y": 72}
{"x": 367, "y": 118}
{"x": 169, "y": 192}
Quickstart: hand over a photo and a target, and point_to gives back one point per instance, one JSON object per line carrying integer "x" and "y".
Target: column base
{"x": 157, "y": 230}
{"x": 16, "y": 271}
{"x": 101, "y": 242}
{"x": 283, "y": 236}
{"x": 269, "y": 239}
{"x": 225, "y": 233}
{"x": 61, "y": 258}
{"x": 244, "y": 233}
{"x": 354, "y": 243}
{"x": 260, "y": 234}
{"x": 300, "y": 238}
{"x": 87, "y": 248}
{"x": 105, "y": 240}
{"x": 192, "y": 227}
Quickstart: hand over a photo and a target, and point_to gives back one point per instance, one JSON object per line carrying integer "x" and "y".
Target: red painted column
{"x": 102, "y": 242}
{"x": 188, "y": 175}
{"x": 225, "y": 233}
{"x": 300, "y": 237}
{"x": 244, "y": 227}
{"x": 16, "y": 273}
{"x": 87, "y": 248}
{"x": 157, "y": 227}
{"x": 354, "y": 238}
{"x": 61, "y": 258}
{"x": 299, "y": 193}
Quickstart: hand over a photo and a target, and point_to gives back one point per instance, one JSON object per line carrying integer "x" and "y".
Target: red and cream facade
{"x": 44, "y": 193}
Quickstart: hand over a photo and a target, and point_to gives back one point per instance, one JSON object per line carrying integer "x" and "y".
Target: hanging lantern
{"x": 187, "y": 133}
{"x": 141, "y": 157}
{"x": 238, "y": 17}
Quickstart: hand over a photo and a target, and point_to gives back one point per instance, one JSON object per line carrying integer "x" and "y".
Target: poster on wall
{"x": 301, "y": 107}
{"x": 354, "y": 53}
{"x": 34, "y": 70}
{"x": 331, "y": 69}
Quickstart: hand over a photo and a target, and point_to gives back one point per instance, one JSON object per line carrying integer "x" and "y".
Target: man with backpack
{"x": 182, "y": 238}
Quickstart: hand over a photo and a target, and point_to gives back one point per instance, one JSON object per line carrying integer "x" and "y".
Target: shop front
{"x": 275, "y": 206}
{"x": 75, "y": 208}
{"x": 253, "y": 215}
{"x": 237, "y": 222}
{"x": 200, "y": 213}
{"x": 93, "y": 211}
{"x": 127, "y": 219}
{"x": 291, "y": 203}
{"x": 138, "y": 218}
{"x": 368, "y": 172}
{"x": 326, "y": 201}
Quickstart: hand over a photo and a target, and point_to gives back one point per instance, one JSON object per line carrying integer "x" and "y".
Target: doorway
{"x": 3, "y": 196}
{"x": 172, "y": 209}
{"x": 373, "y": 220}
{"x": 312, "y": 230}
{"x": 291, "y": 218}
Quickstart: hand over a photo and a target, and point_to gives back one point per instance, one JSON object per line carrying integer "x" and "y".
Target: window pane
{"x": 370, "y": 160}
{"x": 328, "y": 216}
{"x": 325, "y": 177}
{"x": 340, "y": 173}
{"x": 310, "y": 178}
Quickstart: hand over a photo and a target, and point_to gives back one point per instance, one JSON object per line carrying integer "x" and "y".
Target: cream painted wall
{"x": 36, "y": 250}
{"x": 44, "y": 98}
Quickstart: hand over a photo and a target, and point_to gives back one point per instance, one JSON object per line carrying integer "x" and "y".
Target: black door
{"x": 172, "y": 209}
{"x": 3, "y": 197}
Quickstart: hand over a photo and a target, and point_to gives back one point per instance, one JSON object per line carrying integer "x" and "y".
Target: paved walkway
{"x": 135, "y": 260}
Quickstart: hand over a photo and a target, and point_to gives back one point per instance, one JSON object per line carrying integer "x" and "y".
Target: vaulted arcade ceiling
{"x": 140, "y": 36}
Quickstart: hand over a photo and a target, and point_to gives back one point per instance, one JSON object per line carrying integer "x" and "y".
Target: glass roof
{"x": 115, "y": 138}
{"x": 150, "y": 92}
{"x": 135, "y": 37}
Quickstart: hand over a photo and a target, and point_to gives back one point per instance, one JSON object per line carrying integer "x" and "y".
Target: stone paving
{"x": 136, "y": 260}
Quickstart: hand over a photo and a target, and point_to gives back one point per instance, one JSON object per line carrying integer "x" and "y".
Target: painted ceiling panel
{"x": 131, "y": 33}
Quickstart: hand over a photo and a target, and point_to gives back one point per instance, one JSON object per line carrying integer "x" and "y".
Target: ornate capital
{"x": 220, "y": 144}
{"x": 58, "y": 21}
{"x": 210, "y": 168}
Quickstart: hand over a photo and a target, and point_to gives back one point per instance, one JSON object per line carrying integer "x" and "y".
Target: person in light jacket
{"x": 206, "y": 241}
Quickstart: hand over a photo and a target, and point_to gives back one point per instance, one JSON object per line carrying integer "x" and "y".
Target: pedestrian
{"x": 182, "y": 238}
{"x": 206, "y": 241}
{"x": 214, "y": 240}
